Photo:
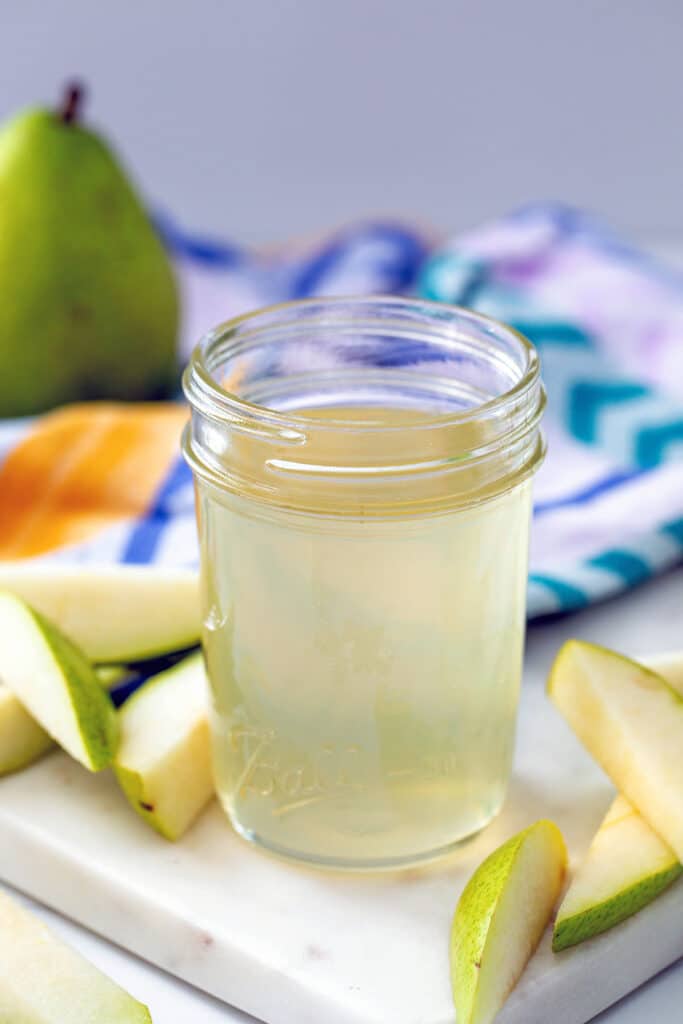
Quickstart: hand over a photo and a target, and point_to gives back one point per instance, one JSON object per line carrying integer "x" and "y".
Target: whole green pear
{"x": 88, "y": 301}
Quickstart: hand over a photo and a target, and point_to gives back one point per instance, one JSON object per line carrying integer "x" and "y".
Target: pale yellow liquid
{"x": 364, "y": 673}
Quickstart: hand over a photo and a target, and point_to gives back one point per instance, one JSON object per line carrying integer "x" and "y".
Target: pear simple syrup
{"x": 363, "y": 533}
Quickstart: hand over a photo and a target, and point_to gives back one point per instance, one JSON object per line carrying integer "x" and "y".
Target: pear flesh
{"x": 669, "y": 665}
{"x": 56, "y": 684}
{"x": 631, "y": 721}
{"x": 163, "y": 763}
{"x": 43, "y": 981}
{"x": 114, "y": 613}
{"x": 500, "y": 918}
{"x": 626, "y": 867}
{"x": 22, "y": 740}
{"x": 89, "y": 302}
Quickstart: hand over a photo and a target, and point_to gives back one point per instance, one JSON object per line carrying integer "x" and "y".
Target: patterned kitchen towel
{"x": 608, "y": 322}
{"x": 103, "y": 482}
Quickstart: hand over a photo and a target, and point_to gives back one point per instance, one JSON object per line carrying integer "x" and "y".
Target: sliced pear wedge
{"x": 501, "y": 916}
{"x": 114, "y": 613}
{"x": 22, "y": 739}
{"x": 56, "y": 684}
{"x": 164, "y": 763}
{"x": 43, "y": 981}
{"x": 631, "y": 721}
{"x": 626, "y": 867}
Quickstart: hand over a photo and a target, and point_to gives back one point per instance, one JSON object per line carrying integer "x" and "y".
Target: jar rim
{"x": 218, "y": 403}
{"x": 306, "y": 459}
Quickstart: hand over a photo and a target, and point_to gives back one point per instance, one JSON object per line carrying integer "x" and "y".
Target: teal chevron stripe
{"x": 618, "y": 569}
{"x": 675, "y": 530}
{"x": 652, "y": 442}
{"x": 568, "y": 596}
{"x": 544, "y": 332}
{"x": 631, "y": 568}
{"x": 440, "y": 277}
{"x": 587, "y": 399}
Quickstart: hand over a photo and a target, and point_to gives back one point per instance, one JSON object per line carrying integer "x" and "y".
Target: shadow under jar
{"x": 363, "y": 473}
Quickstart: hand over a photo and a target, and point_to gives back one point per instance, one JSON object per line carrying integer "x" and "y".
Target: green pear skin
{"x": 22, "y": 740}
{"x": 502, "y": 913}
{"x": 626, "y": 867}
{"x": 44, "y": 981}
{"x": 88, "y": 300}
{"x": 56, "y": 684}
{"x": 631, "y": 721}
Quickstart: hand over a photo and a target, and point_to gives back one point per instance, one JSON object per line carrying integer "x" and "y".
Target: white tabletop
{"x": 647, "y": 619}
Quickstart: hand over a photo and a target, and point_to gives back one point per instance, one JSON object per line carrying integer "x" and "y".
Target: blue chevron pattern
{"x": 552, "y": 332}
{"x": 631, "y": 567}
{"x": 565, "y": 596}
{"x": 573, "y": 585}
{"x": 589, "y": 399}
{"x": 653, "y": 443}
{"x": 675, "y": 530}
{"x": 623, "y": 420}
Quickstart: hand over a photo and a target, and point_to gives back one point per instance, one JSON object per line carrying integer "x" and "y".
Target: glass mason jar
{"x": 363, "y": 474}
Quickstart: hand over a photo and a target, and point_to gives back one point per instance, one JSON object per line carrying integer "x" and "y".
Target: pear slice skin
{"x": 631, "y": 721}
{"x": 56, "y": 684}
{"x": 500, "y": 918}
{"x": 44, "y": 981}
{"x": 117, "y": 613}
{"x": 163, "y": 762}
{"x": 626, "y": 867}
{"x": 22, "y": 740}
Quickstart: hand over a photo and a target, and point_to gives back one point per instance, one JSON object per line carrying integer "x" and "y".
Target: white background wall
{"x": 257, "y": 119}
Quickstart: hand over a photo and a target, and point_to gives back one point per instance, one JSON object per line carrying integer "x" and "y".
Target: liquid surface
{"x": 364, "y": 672}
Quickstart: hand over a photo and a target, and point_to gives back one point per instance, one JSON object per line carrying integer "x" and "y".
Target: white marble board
{"x": 300, "y": 947}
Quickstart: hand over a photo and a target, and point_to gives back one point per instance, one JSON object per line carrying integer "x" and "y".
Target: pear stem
{"x": 72, "y": 102}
